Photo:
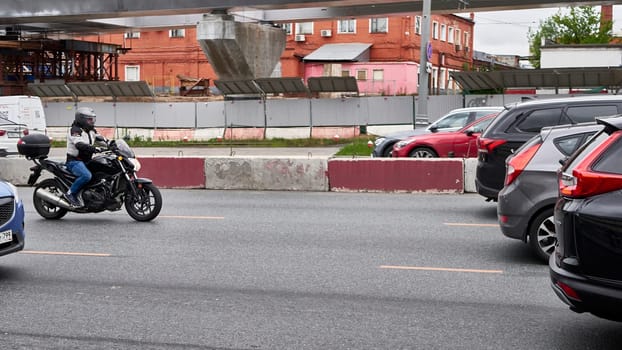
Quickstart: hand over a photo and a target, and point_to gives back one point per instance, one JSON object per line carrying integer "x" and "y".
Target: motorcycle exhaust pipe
{"x": 53, "y": 199}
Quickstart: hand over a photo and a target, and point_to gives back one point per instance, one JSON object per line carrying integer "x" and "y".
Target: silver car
{"x": 525, "y": 204}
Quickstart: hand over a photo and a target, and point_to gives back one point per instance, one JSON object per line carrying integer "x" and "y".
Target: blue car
{"x": 12, "y": 234}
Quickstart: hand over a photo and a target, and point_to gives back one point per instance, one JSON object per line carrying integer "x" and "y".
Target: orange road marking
{"x": 192, "y": 217}
{"x": 42, "y": 252}
{"x": 465, "y": 224}
{"x": 438, "y": 269}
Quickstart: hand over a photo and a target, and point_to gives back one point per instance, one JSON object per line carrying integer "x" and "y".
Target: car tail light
{"x": 569, "y": 292}
{"x": 488, "y": 145}
{"x": 584, "y": 181}
{"x": 25, "y": 132}
{"x": 2, "y": 132}
{"x": 518, "y": 162}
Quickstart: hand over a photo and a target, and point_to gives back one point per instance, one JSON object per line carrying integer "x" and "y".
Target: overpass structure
{"x": 240, "y": 38}
{"x": 96, "y": 16}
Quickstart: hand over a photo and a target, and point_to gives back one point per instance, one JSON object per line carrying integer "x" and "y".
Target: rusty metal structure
{"x": 26, "y": 60}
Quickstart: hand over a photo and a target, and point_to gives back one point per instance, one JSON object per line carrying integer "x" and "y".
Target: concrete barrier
{"x": 293, "y": 174}
{"x": 396, "y": 175}
{"x": 173, "y": 172}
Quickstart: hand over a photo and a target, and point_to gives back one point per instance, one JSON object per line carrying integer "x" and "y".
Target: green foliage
{"x": 582, "y": 25}
{"x": 356, "y": 147}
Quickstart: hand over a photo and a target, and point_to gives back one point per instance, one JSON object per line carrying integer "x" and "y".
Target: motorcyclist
{"x": 80, "y": 149}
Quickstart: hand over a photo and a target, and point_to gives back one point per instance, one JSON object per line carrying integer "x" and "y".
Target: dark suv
{"x": 521, "y": 121}
{"x": 585, "y": 266}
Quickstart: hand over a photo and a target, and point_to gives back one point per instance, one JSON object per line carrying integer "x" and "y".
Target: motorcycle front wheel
{"x": 47, "y": 209}
{"x": 146, "y": 204}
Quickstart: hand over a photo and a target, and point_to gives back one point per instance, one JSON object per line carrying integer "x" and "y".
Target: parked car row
{"x": 554, "y": 168}
{"x": 452, "y": 121}
{"x": 561, "y": 190}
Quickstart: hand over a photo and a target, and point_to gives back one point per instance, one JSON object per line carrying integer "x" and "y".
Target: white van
{"x": 19, "y": 116}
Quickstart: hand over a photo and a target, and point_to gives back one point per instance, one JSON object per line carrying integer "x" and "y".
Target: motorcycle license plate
{"x": 6, "y": 236}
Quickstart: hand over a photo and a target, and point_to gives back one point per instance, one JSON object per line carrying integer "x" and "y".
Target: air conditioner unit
{"x": 458, "y": 47}
{"x": 299, "y": 37}
{"x": 327, "y": 33}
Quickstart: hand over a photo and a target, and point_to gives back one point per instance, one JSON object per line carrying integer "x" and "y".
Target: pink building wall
{"x": 398, "y": 78}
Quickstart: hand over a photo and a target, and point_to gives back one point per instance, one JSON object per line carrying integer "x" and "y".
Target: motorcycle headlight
{"x": 136, "y": 164}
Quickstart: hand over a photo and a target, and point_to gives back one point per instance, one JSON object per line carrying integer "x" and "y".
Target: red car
{"x": 459, "y": 143}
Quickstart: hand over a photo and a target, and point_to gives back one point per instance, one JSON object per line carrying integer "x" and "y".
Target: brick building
{"x": 160, "y": 57}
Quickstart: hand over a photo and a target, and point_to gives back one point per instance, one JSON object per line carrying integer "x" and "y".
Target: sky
{"x": 505, "y": 32}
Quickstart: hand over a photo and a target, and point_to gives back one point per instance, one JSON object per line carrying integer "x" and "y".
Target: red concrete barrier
{"x": 172, "y": 172}
{"x": 397, "y": 175}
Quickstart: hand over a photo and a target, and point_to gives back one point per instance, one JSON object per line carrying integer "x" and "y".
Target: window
{"x": 435, "y": 30}
{"x": 132, "y": 35}
{"x": 443, "y": 32}
{"x": 287, "y": 27}
{"x": 304, "y": 28}
{"x": 132, "y": 73}
{"x": 568, "y": 144}
{"x": 458, "y": 37}
{"x": 177, "y": 33}
{"x": 539, "y": 119}
{"x": 466, "y": 39}
{"x": 457, "y": 120}
{"x": 361, "y": 74}
{"x": 346, "y": 26}
{"x": 580, "y": 114}
{"x": 379, "y": 25}
{"x": 450, "y": 35}
{"x": 418, "y": 25}
{"x": 609, "y": 161}
{"x": 378, "y": 74}
{"x": 345, "y": 73}
{"x": 442, "y": 78}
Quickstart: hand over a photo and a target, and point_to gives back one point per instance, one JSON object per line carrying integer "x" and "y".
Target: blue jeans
{"x": 78, "y": 168}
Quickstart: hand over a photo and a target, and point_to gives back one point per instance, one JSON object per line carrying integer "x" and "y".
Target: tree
{"x": 582, "y": 25}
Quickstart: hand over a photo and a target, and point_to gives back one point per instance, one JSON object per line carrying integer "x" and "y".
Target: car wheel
{"x": 542, "y": 236}
{"x": 388, "y": 150}
{"x": 422, "y": 152}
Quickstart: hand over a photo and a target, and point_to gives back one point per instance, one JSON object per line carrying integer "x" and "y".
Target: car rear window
{"x": 609, "y": 161}
{"x": 568, "y": 144}
{"x": 580, "y": 114}
{"x": 584, "y": 150}
{"x": 540, "y": 118}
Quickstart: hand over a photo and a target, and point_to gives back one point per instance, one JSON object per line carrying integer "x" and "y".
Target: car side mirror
{"x": 563, "y": 160}
{"x": 433, "y": 128}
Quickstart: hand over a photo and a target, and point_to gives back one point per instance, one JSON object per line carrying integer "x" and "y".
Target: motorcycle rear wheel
{"x": 146, "y": 205}
{"x": 45, "y": 209}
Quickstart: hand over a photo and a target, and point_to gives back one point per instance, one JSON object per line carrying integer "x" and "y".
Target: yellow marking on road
{"x": 465, "y": 224}
{"x": 42, "y": 252}
{"x": 192, "y": 217}
{"x": 444, "y": 269}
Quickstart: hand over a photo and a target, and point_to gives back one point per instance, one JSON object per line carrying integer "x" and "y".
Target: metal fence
{"x": 272, "y": 113}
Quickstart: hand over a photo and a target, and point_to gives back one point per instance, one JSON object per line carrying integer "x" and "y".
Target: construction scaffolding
{"x": 40, "y": 60}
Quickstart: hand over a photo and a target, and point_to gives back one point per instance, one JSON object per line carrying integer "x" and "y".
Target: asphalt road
{"x": 286, "y": 270}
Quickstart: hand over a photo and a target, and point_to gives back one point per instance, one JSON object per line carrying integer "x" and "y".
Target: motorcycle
{"x": 113, "y": 184}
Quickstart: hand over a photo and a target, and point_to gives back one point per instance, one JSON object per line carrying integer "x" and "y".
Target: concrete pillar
{"x": 240, "y": 50}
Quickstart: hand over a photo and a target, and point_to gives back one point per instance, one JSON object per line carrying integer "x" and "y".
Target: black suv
{"x": 521, "y": 121}
{"x": 585, "y": 266}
